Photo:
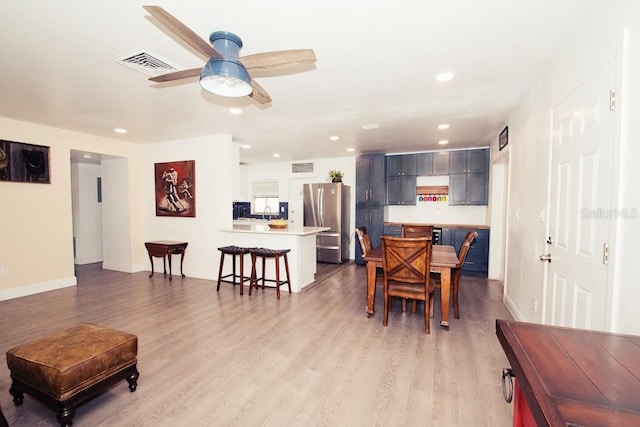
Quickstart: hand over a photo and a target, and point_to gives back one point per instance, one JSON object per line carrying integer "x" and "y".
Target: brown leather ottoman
{"x": 65, "y": 369}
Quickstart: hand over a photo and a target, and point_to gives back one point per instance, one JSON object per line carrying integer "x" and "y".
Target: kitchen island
{"x": 301, "y": 240}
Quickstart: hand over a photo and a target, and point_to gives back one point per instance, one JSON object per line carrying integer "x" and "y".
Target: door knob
{"x": 546, "y": 257}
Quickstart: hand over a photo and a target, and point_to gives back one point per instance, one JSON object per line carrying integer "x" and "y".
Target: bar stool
{"x": 234, "y": 251}
{"x": 265, "y": 253}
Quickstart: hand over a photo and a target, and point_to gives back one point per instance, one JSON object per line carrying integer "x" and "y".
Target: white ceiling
{"x": 376, "y": 63}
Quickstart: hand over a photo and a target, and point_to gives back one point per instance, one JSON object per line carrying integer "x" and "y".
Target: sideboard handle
{"x": 507, "y": 390}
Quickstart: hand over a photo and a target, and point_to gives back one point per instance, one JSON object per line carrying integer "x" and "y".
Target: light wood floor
{"x": 210, "y": 358}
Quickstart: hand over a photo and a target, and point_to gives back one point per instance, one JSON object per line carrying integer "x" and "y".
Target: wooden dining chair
{"x": 406, "y": 265}
{"x": 365, "y": 239}
{"x": 417, "y": 231}
{"x": 365, "y": 245}
{"x": 457, "y": 272}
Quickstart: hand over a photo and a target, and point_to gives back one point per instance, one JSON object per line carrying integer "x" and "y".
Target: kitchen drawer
{"x": 328, "y": 239}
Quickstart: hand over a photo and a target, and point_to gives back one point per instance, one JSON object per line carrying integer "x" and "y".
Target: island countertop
{"x": 300, "y": 240}
{"x": 291, "y": 229}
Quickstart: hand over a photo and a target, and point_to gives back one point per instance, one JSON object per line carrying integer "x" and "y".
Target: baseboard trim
{"x": 36, "y": 288}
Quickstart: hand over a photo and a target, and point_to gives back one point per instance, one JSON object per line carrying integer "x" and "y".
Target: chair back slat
{"x": 417, "y": 231}
{"x": 406, "y": 260}
{"x": 365, "y": 240}
{"x": 464, "y": 247}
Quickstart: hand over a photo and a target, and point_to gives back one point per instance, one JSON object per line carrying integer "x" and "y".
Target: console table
{"x": 164, "y": 249}
{"x": 571, "y": 377}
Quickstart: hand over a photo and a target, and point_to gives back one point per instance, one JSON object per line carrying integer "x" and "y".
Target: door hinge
{"x": 612, "y": 100}
{"x": 605, "y": 254}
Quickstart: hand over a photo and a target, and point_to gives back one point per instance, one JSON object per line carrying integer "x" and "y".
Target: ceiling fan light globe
{"x": 226, "y": 78}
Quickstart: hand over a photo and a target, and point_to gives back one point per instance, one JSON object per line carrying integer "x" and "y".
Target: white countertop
{"x": 291, "y": 230}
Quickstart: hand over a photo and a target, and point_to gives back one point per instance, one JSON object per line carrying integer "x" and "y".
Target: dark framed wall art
{"x": 176, "y": 188}
{"x": 503, "y": 139}
{"x": 20, "y": 162}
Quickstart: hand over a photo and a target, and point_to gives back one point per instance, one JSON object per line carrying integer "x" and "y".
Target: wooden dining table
{"x": 443, "y": 259}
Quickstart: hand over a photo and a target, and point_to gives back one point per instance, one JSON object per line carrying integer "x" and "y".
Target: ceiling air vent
{"x": 146, "y": 63}
{"x": 301, "y": 167}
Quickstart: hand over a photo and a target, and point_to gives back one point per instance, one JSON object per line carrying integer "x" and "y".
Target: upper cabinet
{"x": 469, "y": 177}
{"x": 401, "y": 165}
{"x": 401, "y": 190}
{"x": 430, "y": 164}
{"x": 370, "y": 179}
{"x": 469, "y": 161}
{"x": 401, "y": 179}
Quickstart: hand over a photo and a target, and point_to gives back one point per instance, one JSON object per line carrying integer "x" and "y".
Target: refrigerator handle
{"x": 321, "y": 205}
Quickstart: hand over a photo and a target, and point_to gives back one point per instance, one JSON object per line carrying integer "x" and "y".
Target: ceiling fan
{"x": 224, "y": 73}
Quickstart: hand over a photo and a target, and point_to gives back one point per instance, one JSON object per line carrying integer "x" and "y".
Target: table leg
{"x": 371, "y": 287}
{"x": 182, "y": 259}
{"x": 170, "y": 255}
{"x": 445, "y": 294}
{"x": 164, "y": 263}
{"x": 151, "y": 259}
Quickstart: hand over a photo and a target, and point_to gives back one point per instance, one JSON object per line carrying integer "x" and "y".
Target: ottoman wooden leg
{"x": 17, "y": 393}
{"x": 65, "y": 416}
{"x": 132, "y": 379}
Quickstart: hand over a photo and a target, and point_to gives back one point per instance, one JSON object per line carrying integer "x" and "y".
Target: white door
{"x": 580, "y": 205}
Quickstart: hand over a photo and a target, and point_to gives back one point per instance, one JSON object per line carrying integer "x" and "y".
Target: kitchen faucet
{"x": 266, "y": 208}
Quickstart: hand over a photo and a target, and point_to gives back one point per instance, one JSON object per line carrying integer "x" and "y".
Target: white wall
{"x": 498, "y": 214}
{"x": 595, "y": 41}
{"x": 626, "y": 274}
{"x": 215, "y": 166}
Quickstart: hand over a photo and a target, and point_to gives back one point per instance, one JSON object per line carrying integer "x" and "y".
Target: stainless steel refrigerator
{"x": 327, "y": 205}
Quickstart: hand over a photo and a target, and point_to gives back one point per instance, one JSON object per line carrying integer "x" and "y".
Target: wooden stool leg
{"x": 241, "y": 272}
{"x": 253, "y": 272}
{"x": 220, "y": 270}
{"x": 277, "y": 258}
{"x": 233, "y": 264}
{"x": 286, "y": 266}
{"x": 264, "y": 262}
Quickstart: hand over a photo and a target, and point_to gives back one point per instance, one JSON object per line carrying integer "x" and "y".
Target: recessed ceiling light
{"x": 235, "y": 110}
{"x": 370, "y": 126}
{"x": 445, "y": 76}
{"x": 443, "y": 142}
{"x": 351, "y": 150}
{"x": 86, "y": 156}
{"x": 245, "y": 146}
{"x": 334, "y": 138}
{"x": 276, "y": 155}
{"x": 120, "y": 130}
{"x": 443, "y": 126}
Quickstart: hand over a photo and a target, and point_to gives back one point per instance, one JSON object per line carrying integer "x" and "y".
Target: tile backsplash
{"x": 243, "y": 210}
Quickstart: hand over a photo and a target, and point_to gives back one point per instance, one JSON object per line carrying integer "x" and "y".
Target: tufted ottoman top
{"x": 65, "y": 362}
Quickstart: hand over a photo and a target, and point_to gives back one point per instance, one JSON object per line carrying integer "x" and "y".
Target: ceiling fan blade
{"x": 182, "y": 31}
{"x": 177, "y": 75}
{"x": 278, "y": 60}
{"x": 259, "y": 94}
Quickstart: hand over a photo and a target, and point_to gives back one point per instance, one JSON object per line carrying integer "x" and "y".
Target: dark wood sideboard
{"x": 571, "y": 377}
